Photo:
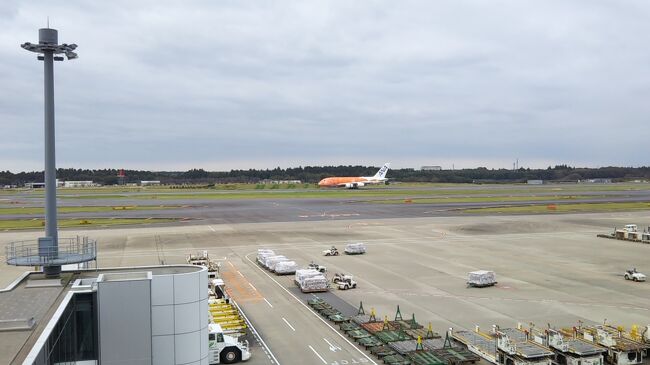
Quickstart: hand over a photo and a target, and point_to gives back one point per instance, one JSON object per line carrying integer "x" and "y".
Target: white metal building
{"x": 431, "y": 168}
{"x": 78, "y": 184}
{"x": 143, "y": 315}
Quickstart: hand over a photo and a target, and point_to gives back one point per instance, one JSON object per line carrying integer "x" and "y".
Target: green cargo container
{"x": 321, "y": 306}
{"x": 406, "y": 324}
{"x": 329, "y": 312}
{"x": 358, "y": 334}
{"x": 315, "y": 301}
{"x": 425, "y": 358}
{"x": 348, "y": 326}
{"x": 382, "y": 351}
{"x": 456, "y": 355}
{"x": 369, "y": 342}
{"x": 422, "y": 332}
{"x": 338, "y": 318}
{"x": 396, "y": 360}
{"x": 391, "y": 336}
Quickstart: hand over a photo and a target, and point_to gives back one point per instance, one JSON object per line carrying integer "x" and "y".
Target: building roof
{"x": 35, "y": 297}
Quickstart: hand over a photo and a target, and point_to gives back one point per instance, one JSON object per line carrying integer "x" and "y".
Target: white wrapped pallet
{"x": 355, "y": 248}
{"x": 265, "y": 259}
{"x": 285, "y": 267}
{"x": 271, "y": 263}
{"x": 268, "y": 260}
{"x": 481, "y": 278}
{"x": 263, "y": 253}
{"x": 301, "y": 274}
{"x": 316, "y": 283}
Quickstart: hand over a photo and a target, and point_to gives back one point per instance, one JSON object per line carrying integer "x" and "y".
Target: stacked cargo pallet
{"x": 396, "y": 342}
{"x": 278, "y": 264}
{"x": 355, "y": 248}
{"x": 481, "y": 278}
{"x": 285, "y": 268}
{"x": 311, "y": 281}
{"x": 224, "y": 313}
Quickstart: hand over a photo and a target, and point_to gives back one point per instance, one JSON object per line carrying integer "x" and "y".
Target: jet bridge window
{"x": 219, "y": 337}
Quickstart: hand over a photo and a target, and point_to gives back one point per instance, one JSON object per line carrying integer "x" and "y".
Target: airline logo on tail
{"x": 381, "y": 174}
{"x": 356, "y": 182}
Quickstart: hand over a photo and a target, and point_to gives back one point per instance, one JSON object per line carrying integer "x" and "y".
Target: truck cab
{"x": 225, "y": 349}
{"x": 317, "y": 267}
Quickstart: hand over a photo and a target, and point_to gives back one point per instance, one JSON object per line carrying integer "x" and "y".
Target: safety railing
{"x": 69, "y": 251}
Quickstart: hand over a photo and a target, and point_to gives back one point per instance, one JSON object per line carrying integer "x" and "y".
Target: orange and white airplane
{"x": 356, "y": 182}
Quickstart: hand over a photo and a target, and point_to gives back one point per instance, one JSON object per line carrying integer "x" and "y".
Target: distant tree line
{"x": 312, "y": 174}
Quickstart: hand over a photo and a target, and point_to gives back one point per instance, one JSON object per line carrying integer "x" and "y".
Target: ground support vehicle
{"x": 344, "y": 282}
{"x": 203, "y": 259}
{"x": 333, "y": 251}
{"x": 225, "y": 349}
{"x": 621, "y": 349}
{"x": 634, "y": 275}
{"x": 317, "y": 267}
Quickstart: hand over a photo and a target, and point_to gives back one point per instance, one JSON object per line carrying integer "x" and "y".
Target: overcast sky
{"x": 254, "y": 84}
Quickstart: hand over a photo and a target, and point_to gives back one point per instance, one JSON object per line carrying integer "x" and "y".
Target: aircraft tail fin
{"x": 381, "y": 174}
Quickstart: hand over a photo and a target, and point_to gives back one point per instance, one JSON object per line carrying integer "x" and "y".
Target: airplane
{"x": 356, "y": 182}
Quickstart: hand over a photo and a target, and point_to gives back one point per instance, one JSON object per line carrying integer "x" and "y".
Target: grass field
{"x": 18, "y": 224}
{"x": 82, "y": 209}
{"x": 306, "y": 195}
{"x": 487, "y": 199}
{"x": 562, "y": 208}
{"x": 252, "y": 191}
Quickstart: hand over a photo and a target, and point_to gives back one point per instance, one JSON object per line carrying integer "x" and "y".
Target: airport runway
{"x": 218, "y": 211}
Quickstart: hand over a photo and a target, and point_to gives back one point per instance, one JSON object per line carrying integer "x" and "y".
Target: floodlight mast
{"x": 47, "y": 48}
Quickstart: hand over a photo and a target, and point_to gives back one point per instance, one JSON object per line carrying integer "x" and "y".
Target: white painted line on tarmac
{"x": 269, "y": 303}
{"x": 230, "y": 263}
{"x": 333, "y": 348}
{"x": 289, "y": 324}
{"x": 240, "y": 274}
{"x": 311, "y": 310}
{"x": 254, "y": 288}
{"x": 317, "y": 354}
{"x": 212, "y": 229}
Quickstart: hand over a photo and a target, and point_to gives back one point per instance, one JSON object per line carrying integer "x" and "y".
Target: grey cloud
{"x": 235, "y": 84}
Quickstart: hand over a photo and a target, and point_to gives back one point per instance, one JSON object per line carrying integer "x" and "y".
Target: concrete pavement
{"x": 295, "y": 333}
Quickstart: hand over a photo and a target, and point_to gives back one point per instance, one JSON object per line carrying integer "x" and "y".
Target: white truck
{"x": 633, "y": 275}
{"x": 225, "y": 349}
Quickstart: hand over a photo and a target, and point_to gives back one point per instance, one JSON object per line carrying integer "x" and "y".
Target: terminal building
{"x": 431, "y": 168}
{"x": 138, "y": 315}
{"x": 79, "y": 184}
